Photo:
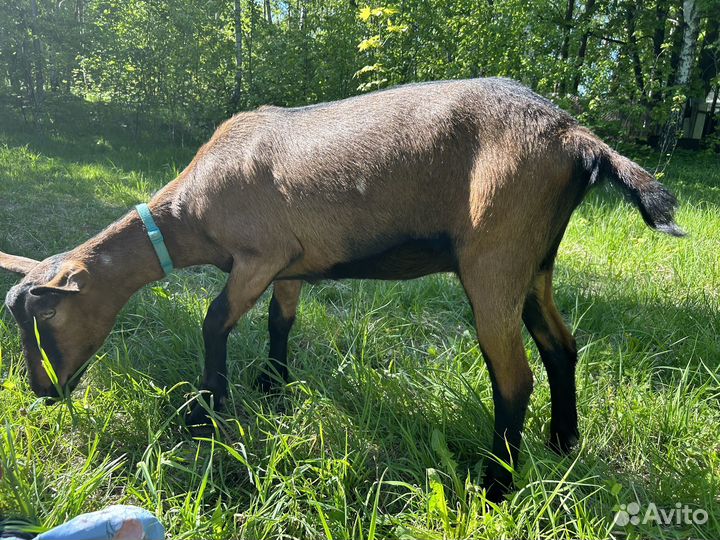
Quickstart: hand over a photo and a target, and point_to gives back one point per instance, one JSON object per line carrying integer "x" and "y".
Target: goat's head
{"x": 73, "y": 313}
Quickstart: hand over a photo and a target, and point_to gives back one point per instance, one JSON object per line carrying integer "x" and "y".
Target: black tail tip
{"x": 670, "y": 228}
{"x": 657, "y": 206}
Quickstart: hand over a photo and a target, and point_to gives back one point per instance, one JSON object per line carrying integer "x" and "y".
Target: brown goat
{"x": 475, "y": 177}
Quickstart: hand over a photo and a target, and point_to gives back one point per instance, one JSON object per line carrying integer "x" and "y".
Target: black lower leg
{"x": 564, "y": 432}
{"x": 279, "y": 326}
{"x": 559, "y": 356}
{"x": 509, "y": 420}
{"x": 215, "y": 336}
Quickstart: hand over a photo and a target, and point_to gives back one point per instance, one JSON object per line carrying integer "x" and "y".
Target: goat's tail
{"x": 656, "y": 204}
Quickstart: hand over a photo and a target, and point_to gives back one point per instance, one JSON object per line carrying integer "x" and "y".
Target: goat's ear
{"x": 69, "y": 281}
{"x": 19, "y": 265}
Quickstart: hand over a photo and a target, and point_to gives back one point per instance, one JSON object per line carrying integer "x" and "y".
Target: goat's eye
{"x": 47, "y": 314}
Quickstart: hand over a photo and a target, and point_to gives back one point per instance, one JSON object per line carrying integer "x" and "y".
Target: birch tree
{"x": 686, "y": 62}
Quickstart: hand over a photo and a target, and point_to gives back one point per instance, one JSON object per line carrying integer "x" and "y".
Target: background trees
{"x": 633, "y": 70}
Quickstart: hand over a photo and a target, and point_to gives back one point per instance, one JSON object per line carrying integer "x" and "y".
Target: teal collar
{"x": 156, "y": 237}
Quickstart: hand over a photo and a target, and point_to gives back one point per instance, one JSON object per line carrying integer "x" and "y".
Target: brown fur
{"x": 478, "y": 177}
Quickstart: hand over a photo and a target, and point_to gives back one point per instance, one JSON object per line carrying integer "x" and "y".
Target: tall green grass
{"x": 385, "y": 429}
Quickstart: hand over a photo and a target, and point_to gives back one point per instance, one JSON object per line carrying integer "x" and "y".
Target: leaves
{"x": 370, "y": 43}
{"x": 437, "y": 503}
{"x": 367, "y": 12}
{"x": 195, "y": 62}
{"x": 368, "y": 69}
{"x": 381, "y": 46}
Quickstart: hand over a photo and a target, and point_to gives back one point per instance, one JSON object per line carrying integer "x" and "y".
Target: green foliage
{"x": 379, "y": 47}
{"x": 611, "y": 63}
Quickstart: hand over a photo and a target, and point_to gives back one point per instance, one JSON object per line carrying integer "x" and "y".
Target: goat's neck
{"x": 123, "y": 260}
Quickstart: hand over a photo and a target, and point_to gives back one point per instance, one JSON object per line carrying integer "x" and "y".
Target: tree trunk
{"x": 710, "y": 54}
{"x": 661, "y": 14}
{"x": 249, "y": 58}
{"x": 79, "y": 11}
{"x": 691, "y": 29}
{"x": 587, "y": 17}
{"x": 27, "y": 73}
{"x": 237, "y": 92}
{"x": 565, "y": 47}
{"x": 267, "y": 8}
{"x": 37, "y": 53}
{"x": 630, "y": 13}
{"x": 676, "y": 39}
{"x": 15, "y": 71}
{"x": 305, "y": 52}
{"x": 80, "y": 21}
{"x": 686, "y": 61}
{"x": 54, "y": 63}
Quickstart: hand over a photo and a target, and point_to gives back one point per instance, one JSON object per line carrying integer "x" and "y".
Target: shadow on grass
{"x": 81, "y": 131}
{"x": 66, "y": 176}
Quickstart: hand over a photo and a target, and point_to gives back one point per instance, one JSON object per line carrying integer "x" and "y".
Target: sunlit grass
{"x": 385, "y": 429}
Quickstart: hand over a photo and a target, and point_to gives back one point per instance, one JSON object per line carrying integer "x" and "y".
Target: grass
{"x": 384, "y": 431}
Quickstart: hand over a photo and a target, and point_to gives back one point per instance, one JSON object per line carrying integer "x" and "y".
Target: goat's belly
{"x": 409, "y": 259}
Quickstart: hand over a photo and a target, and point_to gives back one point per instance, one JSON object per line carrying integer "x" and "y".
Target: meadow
{"x": 386, "y": 425}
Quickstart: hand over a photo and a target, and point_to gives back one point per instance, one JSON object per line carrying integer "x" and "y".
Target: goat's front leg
{"x": 283, "y": 306}
{"x": 248, "y": 280}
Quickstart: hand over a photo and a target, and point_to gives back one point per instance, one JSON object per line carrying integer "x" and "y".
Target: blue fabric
{"x": 156, "y": 238}
{"x": 118, "y": 521}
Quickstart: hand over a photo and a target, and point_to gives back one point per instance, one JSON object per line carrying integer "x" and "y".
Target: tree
{"x": 691, "y": 30}
{"x": 237, "y": 23}
{"x": 624, "y": 67}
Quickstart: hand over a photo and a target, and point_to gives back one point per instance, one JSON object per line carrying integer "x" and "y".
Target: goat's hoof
{"x": 563, "y": 443}
{"x": 198, "y": 422}
{"x": 266, "y": 383}
{"x": 496, "y": 490}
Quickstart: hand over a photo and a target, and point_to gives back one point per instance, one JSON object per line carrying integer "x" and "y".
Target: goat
{"x": 476, "y": 177}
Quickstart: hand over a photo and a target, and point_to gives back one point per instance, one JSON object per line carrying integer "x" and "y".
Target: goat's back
{"x": 479, "y": 161}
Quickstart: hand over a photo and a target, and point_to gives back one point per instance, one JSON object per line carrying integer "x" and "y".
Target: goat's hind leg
{"x": 498, "y": 322}
{"x": 283, "y": 306}
{"x": 248, "y": 279}
{"x": 559, "y": 355}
